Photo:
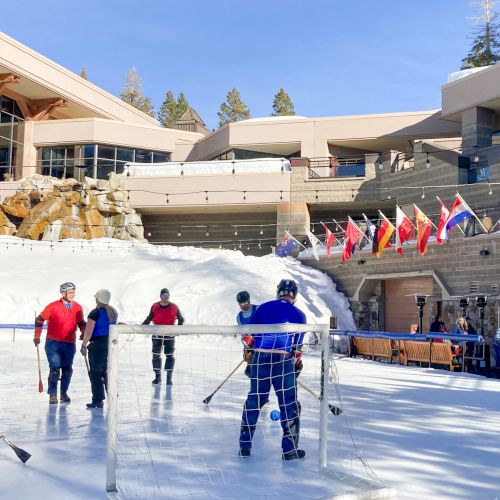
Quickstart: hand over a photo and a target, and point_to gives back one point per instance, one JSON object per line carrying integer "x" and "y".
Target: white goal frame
{"x": 113, "y": 358}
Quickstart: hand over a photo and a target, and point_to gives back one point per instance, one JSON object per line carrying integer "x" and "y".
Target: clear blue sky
{"x": 333, "y": 57}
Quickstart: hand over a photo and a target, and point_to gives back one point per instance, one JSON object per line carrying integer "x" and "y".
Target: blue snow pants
{"x": 278, "y": 370}
{"x": 60, "y": 356}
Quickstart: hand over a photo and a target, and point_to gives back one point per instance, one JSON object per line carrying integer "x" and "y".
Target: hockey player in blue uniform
{"x": 247, "y": 308}
{"x": 275, "y": 356}
{"x": 244, "y": 317}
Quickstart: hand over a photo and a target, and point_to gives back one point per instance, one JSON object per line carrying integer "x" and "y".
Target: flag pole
{"x": 430, "y": 220}
{"x": 473, "y": 213}
{"x": 442, "y": 204}
{"x": 357, "y": 227}
{"x": 295, "y": 239}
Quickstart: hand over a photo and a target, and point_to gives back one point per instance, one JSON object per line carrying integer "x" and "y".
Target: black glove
{"x": 36, "y": 341}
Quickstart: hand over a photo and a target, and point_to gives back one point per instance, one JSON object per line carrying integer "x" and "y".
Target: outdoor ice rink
{"x": 425, "y": 433}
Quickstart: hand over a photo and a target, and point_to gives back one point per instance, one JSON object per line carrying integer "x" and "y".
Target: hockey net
{"x": 164, "y": 442}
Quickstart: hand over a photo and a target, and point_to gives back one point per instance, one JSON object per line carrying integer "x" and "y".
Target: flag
{"x": 370, "y": 230}
{"x": 286, "y": 246}
{"x": 352, "y": 235}
{"x": 443, "y": 216}
{"x": 383, "y": 235}
{"x": 314, "y": 241}
{"x": 459, "y": 212}
{"x": 424, "y": 227}
{"x": 404, "y": 229}
{"x": 329, "y": 238}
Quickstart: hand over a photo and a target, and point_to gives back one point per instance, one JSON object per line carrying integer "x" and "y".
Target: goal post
{"x": 116, "y": 331}
{"x": 163, "y": 441}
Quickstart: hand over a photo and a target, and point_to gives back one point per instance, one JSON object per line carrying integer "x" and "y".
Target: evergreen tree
{"x": 233, "y": 110}
{"x": 171, "y": 109}
{"x": 83, "y": 73}
{"x": 282, "y": 104}
{"x": 486, "y": 45}
{"x": 168, "y": 110}
{"x": 133, "y": 93}
{"x": 182, "y": 105}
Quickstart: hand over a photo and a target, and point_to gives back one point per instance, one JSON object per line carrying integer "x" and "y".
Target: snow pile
{"x": 202, "y": 282}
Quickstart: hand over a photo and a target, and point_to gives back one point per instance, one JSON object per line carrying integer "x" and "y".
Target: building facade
{"x": 53, "y": 122}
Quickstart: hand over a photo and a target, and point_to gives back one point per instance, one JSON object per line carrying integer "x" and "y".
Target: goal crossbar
{"x": 178, "y": 330}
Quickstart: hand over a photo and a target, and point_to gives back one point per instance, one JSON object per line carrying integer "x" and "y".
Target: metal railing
{"x": 333, "y": 166}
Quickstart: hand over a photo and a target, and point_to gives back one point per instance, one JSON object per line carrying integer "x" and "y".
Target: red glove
{"x": 248, "y": 341}
{"x": 298, "y": 362}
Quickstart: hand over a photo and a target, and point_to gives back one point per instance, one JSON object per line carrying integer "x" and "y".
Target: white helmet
{"x": 103, "y": 296}
{"x": 67, "y": 286}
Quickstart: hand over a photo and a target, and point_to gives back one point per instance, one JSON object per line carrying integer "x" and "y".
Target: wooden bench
{"x": 429, "y": 352}
{"x": 374, "y": 348}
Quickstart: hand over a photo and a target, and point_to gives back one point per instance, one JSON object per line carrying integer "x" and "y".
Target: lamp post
{"x": 481, "y": 301}
{"x": 463, "y": 303}
{"x": 420, "y": 300}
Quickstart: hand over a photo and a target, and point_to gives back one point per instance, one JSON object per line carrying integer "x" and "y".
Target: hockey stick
{"x": 87, "y": 365}
{"x": 23, "y": 455}
{"x": 40, "y": 383}
{"x": 334, "y": 409}
{"x": 209, "y": 398}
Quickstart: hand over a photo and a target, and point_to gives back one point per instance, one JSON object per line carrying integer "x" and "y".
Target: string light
{"x": 476, "y": 156}
{"x": 244, "y": 195}
{"x": 167, "y": 199}
{"x": 490, "y": 192}
{"x": 427, "y": 161}
{"x": 236, "y": 230}
{"x": 207, "y": 233}
{"x": 423, "y": 193}
{"x": 261, "y": 230}
{"x": 233, "y": 171}
{"x": 179, "y": 234}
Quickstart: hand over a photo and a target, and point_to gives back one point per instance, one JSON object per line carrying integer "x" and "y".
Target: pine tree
{"x": 133, "y": 93}
{"x": 282, "y": 104}
{"x": 182, "y": 105}
{"x": 233, "y": 110}
{"x": 168, "y": 110}
{"x": 171, "y": 109}
{"x": 83, "y": 73}
{"x": 486, "y": 45}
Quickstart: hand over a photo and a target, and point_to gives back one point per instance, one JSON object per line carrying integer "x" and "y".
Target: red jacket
{"x": 164, "y": 315}
{"x": 61, "y": 321}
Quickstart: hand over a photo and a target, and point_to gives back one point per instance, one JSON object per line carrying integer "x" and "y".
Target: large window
{"x": 93, "y": 160}
{"x": 10, "y": 137}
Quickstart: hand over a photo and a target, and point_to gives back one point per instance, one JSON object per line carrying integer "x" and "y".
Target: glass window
{"x": 107, "y": 152}
{"x": 160, "y": 157}
{"x": 88, "y": 151}
{"x": 143, "y": 156}
{"x": 124, "y": 154}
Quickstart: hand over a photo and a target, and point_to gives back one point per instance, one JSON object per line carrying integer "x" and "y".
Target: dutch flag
{"x": 458, "y": 212}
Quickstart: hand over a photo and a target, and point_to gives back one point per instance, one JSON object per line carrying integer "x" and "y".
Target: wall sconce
{"x": 361, "y": 262}
{"x": 484, "y": 252}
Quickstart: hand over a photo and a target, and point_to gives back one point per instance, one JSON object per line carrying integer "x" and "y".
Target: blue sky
{"x": 333, "y": 57}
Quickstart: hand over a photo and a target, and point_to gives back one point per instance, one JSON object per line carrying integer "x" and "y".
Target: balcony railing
{"x": 333, "y": 166}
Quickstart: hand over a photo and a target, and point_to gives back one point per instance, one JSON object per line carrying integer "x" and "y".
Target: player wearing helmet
{"x": 276, "y": 361}
{"x": 62, "y": 316}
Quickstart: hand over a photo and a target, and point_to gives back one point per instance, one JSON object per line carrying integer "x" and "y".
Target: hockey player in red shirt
{"x": 163, "y": 312}
{"x": 62, "y": 316}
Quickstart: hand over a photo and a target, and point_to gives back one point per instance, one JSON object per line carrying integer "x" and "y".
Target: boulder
{"x": 44, "y": 213}
{"x": 17, "y": 205}
{"x": 94, "y": 223}
{"x": 7, "y": 228}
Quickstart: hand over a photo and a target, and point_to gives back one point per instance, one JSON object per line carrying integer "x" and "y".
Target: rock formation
{"x": 48, "y": 208}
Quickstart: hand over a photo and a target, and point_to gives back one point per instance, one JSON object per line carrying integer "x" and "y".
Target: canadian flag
{"x": 404, "y": 228}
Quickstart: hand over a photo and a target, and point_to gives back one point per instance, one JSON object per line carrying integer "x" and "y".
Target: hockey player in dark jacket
{"x": 276, "y": 358}
{"x": 164, "y": 312}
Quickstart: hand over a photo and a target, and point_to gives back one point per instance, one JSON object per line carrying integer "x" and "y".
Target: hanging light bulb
{"x": 427, "y": 162}
{"x": 389, "y": 197}
{"x": 312, "y": 228}
{"x": 423, "y": 193}
{"x": 179, "y": 234}
{"x": 261, "y": 230}
{"x": 207, "y": 233}
{"x": 490, "y": 192}
{"x": 476, "y": 157}
{"x": 260, "y": 245}
{"x": 235, "y": 231}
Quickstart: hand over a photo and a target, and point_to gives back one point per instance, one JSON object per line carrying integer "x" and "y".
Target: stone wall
{"x": 457, "y": 267}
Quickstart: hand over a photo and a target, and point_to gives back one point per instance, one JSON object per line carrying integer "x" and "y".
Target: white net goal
{"x": 183, "y": 440}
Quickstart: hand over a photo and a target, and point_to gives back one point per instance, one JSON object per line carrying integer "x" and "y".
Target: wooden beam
{"x": 41, "y": 109}
{"x": 7, "y": 79}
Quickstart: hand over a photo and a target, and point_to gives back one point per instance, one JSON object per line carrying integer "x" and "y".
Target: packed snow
{"x": 424, "y": 433}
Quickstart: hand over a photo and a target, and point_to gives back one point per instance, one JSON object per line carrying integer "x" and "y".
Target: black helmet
{"x": 287, "y": 287}
{"x": 242, "y": 297}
